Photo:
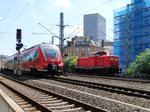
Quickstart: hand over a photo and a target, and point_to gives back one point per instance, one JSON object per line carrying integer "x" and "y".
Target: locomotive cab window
{"x": 91, "y": 55}
{"x": 98, "y": 54}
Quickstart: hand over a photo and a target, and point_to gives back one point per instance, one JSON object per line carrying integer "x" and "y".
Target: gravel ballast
{"x": 128, "y": 84}
{"x": 95, "y": 97}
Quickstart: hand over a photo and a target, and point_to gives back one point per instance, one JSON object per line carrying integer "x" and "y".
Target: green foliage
{"x": 70, "y": 63}
{"x": 141, "y": 66}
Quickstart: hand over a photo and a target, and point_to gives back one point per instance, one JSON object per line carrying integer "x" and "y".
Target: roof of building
{"x": 82, "y": 41}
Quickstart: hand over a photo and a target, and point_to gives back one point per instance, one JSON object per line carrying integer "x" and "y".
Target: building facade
{"x": 82, "y": 46}
{"x": 95, "y": 27}
{"x": 131, "y": 31}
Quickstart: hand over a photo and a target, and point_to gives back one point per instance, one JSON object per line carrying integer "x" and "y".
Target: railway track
{"x": 110, "y": 88}
{"x": 46, "y": 101}
{"x": 112, "y": 78}
{"x": 25, "y": 103}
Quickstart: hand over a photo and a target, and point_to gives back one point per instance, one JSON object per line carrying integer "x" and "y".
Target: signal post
{"x": 19, "y": 45}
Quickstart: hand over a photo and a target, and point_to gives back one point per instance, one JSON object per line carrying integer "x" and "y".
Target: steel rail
{"x": 110, "y": 88}
{"x": 85, "y": 106}
{"x": 33, "y": 102}
{"x": 112, "y": 78}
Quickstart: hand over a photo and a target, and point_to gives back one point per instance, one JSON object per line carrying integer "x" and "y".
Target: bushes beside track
{"x": 141, "y": 66}
{"x": 70, "y": 64}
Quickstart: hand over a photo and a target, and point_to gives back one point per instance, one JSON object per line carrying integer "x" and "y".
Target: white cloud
{"x": 63, "y": 3}
{"x": 1, "y": 20}
{"x": 30, "y": 1}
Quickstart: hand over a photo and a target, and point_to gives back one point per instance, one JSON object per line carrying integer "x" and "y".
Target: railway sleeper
{"x": 57, "y": 104}
{"x": 43, "y": 97}
{"x": 62, "y": 107}
{"x": 79, "y": 109}
{"x": 30, "y": 109}
{"x": 49, "y": 99}
{"x": 19, "y": 100}
{"x": 23, "y": 103}
{"x": 37, "y": 111}
{"x": 26, "y": 106}
{"x": 46, "y": 102}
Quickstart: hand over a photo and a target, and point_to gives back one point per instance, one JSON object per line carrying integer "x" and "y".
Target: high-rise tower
{"x": 95, "y": 27}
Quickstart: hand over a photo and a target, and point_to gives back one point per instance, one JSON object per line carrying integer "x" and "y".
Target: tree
{"x": 141, "y": 66}
{"x": 70, "y": 64}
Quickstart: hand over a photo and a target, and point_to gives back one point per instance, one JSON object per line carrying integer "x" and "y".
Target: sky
{"x": 29, "y": 14}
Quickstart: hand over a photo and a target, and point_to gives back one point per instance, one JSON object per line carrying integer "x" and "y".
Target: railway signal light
{"x": 19, "y": 46}
{"x": 18, "y": 35}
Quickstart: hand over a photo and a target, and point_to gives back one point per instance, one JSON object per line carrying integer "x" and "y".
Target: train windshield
{"x": 51, "y": 53}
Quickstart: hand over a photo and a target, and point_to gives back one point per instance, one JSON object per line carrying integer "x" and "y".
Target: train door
{"x": 15, "y": 65}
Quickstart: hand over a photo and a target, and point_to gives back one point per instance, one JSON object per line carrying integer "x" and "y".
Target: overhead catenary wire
{"x": 48, "y": 30}
{"x": 27, "y": 4}
{"x": 7, "y": 11}
{"x": 107, "y": 35}
{"x": 42, "y": 33}
{"x": 72, "y": 32}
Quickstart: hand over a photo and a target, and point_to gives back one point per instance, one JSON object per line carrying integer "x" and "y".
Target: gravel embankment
{"x": 128, "y": 84}
{"x": 93, "y": 96}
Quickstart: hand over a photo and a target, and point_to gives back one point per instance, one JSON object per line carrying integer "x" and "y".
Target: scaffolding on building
{"x": 129, "y": 30}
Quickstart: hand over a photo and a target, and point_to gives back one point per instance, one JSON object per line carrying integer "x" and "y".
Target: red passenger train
{"x": 98, "y": 63}
{"x": 44, "y": 58}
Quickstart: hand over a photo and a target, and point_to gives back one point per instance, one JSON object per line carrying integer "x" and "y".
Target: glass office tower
{"x": 95, "y": 27}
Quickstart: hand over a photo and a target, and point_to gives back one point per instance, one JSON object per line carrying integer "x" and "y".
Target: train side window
{"x": 36, "y": 56}
{"x": 15, "y": 58}
{"x": 97, "y": 54}
{"x": 30, "y": 57}
{"x": 25, "y": 58}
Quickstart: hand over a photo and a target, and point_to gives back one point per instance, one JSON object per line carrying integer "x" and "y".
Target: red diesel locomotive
{"x": 98, "y": 63}
{"x": 39, "y": 58}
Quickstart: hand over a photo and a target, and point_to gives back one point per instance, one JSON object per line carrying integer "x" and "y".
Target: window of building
{"x": 82, "y": 55}
{"x": 96, "y": 49}
{"x": 146, "y": 21}
{"x": 146, "y": 9}
{"x": 77, "y": 49}
{"x": 89, "y": 49}
{"x": 146, "y": 33}
{"x": 83, "y": 49}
